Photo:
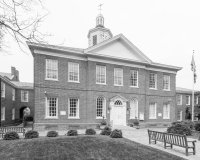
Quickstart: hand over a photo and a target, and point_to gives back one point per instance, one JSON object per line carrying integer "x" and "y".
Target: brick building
{"x": 15, "y": 96}
{"x": 111, "y": 78}
{"x": 184, "y": 101}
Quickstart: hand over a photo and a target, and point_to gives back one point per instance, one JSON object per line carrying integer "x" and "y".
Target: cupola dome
{"x": 100, "y": 20}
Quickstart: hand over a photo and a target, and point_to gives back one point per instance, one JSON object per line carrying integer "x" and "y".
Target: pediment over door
{"x": 118, "y": 97}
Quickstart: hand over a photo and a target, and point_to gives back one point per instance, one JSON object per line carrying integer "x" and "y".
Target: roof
{"x": 23, "y": 84}
{"x": 184, "y": 90}
{"x": 5, "y": 74}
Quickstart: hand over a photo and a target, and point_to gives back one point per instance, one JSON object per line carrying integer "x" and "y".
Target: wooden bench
{"x": 172, "y": 139}
{"x": 3, "y": 130}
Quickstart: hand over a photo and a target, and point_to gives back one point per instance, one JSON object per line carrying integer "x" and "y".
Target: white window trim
{"x": 78, "y": 73}
{"x": 22, "y": 96}
{"x": 181, "y": 116}
{"x": 4, "y": 90}
{"x": 13, "y": 94}
{"x": 105, "y": 75}
{"x": 3, "y": 109}
{"x": 137, "y": 79}
{"x": 104, "y": 109}
{"x": 52, "y": 79}
{"x": 78, "y": 116}
{"x": 122, "y": 77}
{"x": 188, "y": 101}
{"x": 46, "y": 114}
{"x": 13, "y": 114}
{"x": 155, "y": 112}
{"x": 137, "y": 115}
{"x": 155, "y": 82}
{"x": 180, "y": 100}
{"x": 169, "y": 83}
{"x": 168, "y": 117}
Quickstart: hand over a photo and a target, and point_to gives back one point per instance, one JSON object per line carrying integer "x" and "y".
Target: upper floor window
{"x": 101, "y": 107}
{"x": 134, "y": 108}
{"x": 73, "y": 72}
{"x": 51, "y": 69}
{"x": 187, "y": 100}
{"x": 101, "y": 74}
{"x": 3, "y": 91}
{"x": 94, "y": 40}
{"x": 24, "y": 96}
{"x": 2, "y": 113}
{"x": 196, "y": 100}
{"x": 13, "y": 94}
{"x": 179, "y": 99}
{"x": 166, "y": 82}
{"x": 153, "y": 81}
{"x": 73, "y": 108}
{"x": 118, "y": 76}
{"x": 134, "y": 78}
{"x": 179, "y": 116}
{"x": 51, "y": 107}
{"x": 13, "y": 114}
{"x": 166, "y": 111}
{"x": 152, "y": 111}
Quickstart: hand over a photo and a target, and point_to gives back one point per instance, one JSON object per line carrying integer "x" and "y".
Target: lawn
{"x": 80, "y": 148}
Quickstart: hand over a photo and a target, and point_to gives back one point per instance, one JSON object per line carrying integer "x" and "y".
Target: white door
{"x": 118, "y": 115}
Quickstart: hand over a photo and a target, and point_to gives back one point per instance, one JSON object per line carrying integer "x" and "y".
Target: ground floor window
{"x": 166, "y": 111}
{"x": 179, "y": 118}
{"x": 101, "y": 107}
{"x": 13, "y": 113}
{"x": 73, "y": 108}
{"x": 134, "y": 108}
{"x": 152, "y": 111}
{"x": 51, "y": 107}
{"x": 3, "y": 113}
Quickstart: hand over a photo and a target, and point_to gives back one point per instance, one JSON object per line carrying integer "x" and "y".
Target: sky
{"x": 166, "y": 31}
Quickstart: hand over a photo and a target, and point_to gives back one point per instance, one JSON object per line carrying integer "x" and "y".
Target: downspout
{"x": 0, "y": 104}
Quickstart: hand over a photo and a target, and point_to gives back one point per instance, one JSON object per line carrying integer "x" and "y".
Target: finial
{"x": 100, "y": 7}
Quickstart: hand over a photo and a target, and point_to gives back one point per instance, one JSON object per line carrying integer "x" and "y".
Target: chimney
{"x": 16, "y": 75}
{"x": 13, "y": 71}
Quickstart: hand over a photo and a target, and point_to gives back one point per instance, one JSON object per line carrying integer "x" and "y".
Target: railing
{"x": 3, "y": 130}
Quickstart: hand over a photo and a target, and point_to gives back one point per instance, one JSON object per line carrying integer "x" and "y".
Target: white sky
{"x": 166, "y": 31}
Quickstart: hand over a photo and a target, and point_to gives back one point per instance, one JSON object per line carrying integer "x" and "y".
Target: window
{"x": 94, "y": 40}
{"x": 134, "y": 109}
{"x": 196, "y": 100}
{"x": 118, "y": 76}
{"x": 24, "y": 96}
{"x": 152, "y": 111}
{"x": 166, "y": 82}
{"x": 179, "y": 117}
{"x": 187, "y": 100}
{"x": 73, "y": 108}
{"x": 13, "y": 94}
{"x": 3, "y": 90}
{"x": 51, "y": 69}
{"x": 101, "y": 107}
{"x": 179, "y": 99}
{"x": 51, "y": 107}
{"x": 73, "y": 72}
{"x": 166, "y": 111}
{"x": 13, "y": 113}
{"x": 100, "y": 74}
{"x": 3, "y": 113}
{"x": 134, "y": 78}
{"x": 153, "y": 81}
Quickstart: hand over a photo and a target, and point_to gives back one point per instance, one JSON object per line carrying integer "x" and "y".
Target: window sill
{"x": 152, "y": 118}
{"x": 166, "y": 118}
{"x": 134, "y": 86}
{"x": 100, "y": 118}
{"x": 166, "y": 90}
{"x": 153, "y": 88}
{"x": 73, "y": 118}
{"x": 51, "y": 118}
{"x": 118, "y": 85}
{"x": 51, "y": 79}
{"x": 24, "y": 101}
{"x": 73, "y": 81}
{"x": 187, "y": 104}
{"x": 101, "y": 84}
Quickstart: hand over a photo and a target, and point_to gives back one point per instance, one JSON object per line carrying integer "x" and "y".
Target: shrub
{"x": 31, "y": 134}
{"x": 11, "y": 136}
{"x": 131, "y": 125}
{"x": 52, "y": 134}
{"x": 197, "y": 126}
{"x": 72, "y": 133}
{"x": 90, "y": 131}
{"x": 106, "y": 131}
{"x": 116, "y": 133}
{"x": 179, "y": 128}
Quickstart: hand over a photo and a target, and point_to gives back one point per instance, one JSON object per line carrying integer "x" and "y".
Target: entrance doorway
{"x": 118, "y": 113}
{"x": 21, "y": 112}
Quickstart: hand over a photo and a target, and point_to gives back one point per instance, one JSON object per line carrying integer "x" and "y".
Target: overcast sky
{"x": 166, "y": 31}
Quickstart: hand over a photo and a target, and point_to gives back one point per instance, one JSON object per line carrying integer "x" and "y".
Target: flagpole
{"x": 193, "y": 88}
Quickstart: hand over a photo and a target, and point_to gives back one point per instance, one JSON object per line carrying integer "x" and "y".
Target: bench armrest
{"x": 192, "y": 141}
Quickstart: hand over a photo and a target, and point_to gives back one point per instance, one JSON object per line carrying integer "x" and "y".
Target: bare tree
{"x": 20, "y": 20}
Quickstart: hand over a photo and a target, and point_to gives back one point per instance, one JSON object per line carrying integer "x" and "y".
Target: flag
{"x": 193, "y": 68}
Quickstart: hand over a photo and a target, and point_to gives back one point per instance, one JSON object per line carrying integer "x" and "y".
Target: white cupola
{"x": 100, "y": 20}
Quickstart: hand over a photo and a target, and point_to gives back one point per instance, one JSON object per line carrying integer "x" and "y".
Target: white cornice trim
{"x": 161, "y": 70}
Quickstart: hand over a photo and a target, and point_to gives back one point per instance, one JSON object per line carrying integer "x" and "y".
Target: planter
{"x": 102, "y": 127}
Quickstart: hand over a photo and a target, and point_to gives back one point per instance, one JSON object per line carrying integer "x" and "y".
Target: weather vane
{"x": 100, "y": 7}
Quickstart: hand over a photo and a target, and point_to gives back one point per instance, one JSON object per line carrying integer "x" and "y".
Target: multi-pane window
{"x": 166, "y": 82}
{"x": 3, "y": 90}
{"x": 134, "y": 78}
{"x": 166, "y": 111}
{"x": 153, "y": 81}
{"x": 134, "y": 108}
{"x": 3, "y": 113}
{"x": 73, "y": 108}
{"x": 152, "y": 111}
{"x": 101, "y": 107}
{"x": 51, "y": 107}
{"x": 51, "y": 69}
{"x": 73, "y": 72}
{"x": 24, "y": 96}
{"x": 187, "y": 100}
{"x": 179, "y": 116}
{"x": 13, "y": 94}
{"x": 196, "y": 100}
{"x": 94, "y": 40}
{"x": 13, "y": 113}
{"x": 118, "y": 76}
{"x": 101, "y": 74}
{"x": 179, "y": 99}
